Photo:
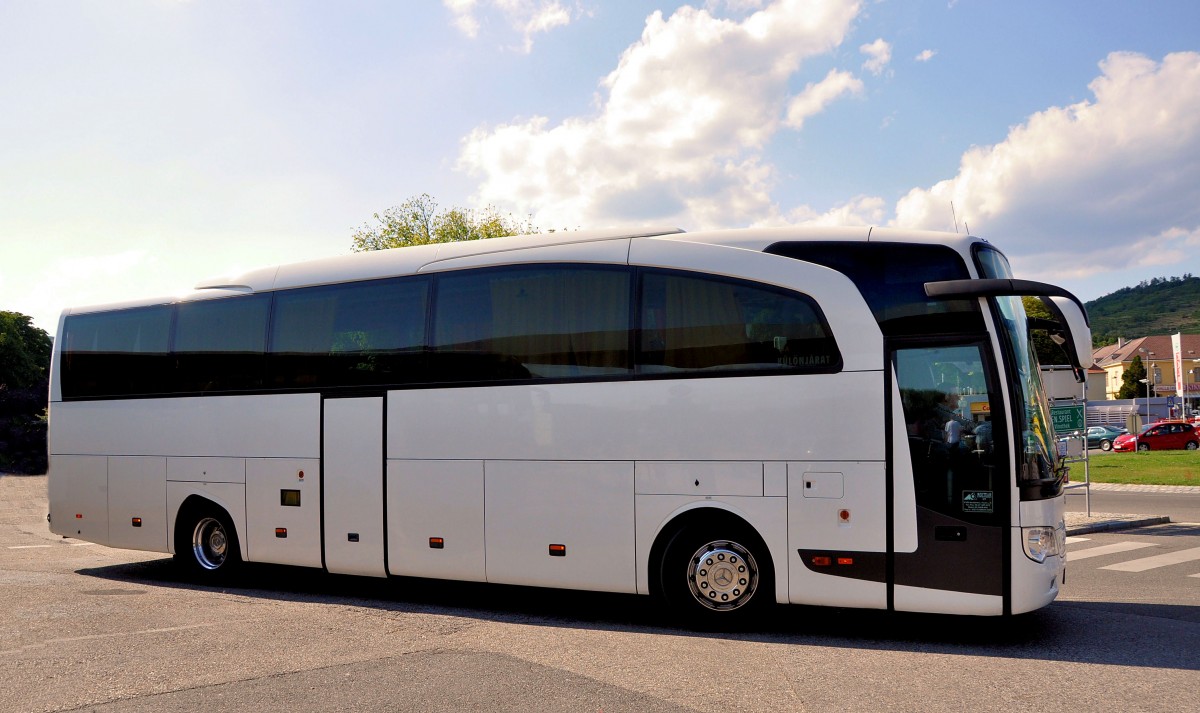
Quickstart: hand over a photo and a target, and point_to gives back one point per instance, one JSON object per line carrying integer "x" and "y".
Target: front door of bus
{"x": 352, "y": 485}
{"x": 956, "y": 445}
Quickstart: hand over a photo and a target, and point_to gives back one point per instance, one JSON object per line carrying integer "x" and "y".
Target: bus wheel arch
{"x": 710, "y": 567}
{"x": 207, "y": 546}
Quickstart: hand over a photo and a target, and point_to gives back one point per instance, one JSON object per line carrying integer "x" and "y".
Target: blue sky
{"x": 150, "y": 145}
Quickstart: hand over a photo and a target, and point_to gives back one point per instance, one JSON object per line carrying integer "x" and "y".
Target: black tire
{"x": 206, "y": 545}
{"x": 717, "y": 576}
{"x": 1143, "y": 446}
{"x": 1192, "y": 445}
{"x": 1106, "y": 445}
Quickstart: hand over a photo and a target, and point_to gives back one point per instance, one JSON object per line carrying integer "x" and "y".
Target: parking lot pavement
{"x": 85, "y": 627}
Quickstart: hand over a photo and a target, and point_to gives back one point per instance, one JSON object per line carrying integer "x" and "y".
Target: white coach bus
{"x": 846, "y": 417}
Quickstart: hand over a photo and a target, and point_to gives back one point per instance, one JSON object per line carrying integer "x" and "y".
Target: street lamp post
{"x": 1146, "y": 381}
{"x": 1186, "y": 413}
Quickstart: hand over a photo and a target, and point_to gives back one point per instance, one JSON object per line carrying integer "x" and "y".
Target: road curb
{"x": 1110, "y": 524}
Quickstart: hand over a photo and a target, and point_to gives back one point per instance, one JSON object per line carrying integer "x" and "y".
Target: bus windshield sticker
{"x": 977, "y": 501}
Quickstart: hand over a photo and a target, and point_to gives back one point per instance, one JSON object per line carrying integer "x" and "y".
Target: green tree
{"x": 24, "y": 352}
{"x": 24, "y": 376}
{"x": 417, "y": 221}
{"x": 1131, "y": 385}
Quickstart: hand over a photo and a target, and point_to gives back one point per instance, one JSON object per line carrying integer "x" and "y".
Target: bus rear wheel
{"x": 715, "y": 577}
{"x": 206, "y": 545}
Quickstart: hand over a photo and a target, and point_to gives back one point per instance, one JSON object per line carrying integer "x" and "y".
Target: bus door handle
{"x": 950, "y": 533}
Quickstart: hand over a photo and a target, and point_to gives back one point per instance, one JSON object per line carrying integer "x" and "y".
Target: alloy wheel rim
{"x": 722, "y": 575}
{"x": 210, "y": 543}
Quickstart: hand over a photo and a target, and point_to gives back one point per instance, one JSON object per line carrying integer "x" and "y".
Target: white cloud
{"x": 816, "y": 97}
{"x": 733, "y": 5}
{"x": 879, "y": 54}
{"x": 681, "y": 125}
{"x": 464, "y": 16}
{"x": 529, "y": 17}
{"x": 861, "y": 210}
{"x": 1158, "y": 255}
{"x": 925, "y": 55}
{"x": 1099, "y": 185}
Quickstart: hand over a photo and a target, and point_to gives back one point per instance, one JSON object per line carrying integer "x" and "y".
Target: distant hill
{"x": 1163, "y": 305}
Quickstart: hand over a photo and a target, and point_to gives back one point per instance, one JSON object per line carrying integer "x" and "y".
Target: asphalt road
{"x": 1146, "y": 570}
{"x": 84, "y": 627}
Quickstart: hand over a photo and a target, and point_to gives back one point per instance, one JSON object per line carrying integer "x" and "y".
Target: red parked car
{"x": 1162, "y": 436}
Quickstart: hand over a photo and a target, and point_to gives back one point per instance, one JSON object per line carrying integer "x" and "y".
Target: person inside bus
{"x": 953, "y": 425}
{"x": 954, "y": 430}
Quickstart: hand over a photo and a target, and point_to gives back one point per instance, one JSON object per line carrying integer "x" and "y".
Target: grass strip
{"x": 1150, "y": 468}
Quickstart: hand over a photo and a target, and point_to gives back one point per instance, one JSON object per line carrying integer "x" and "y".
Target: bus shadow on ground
{"x": 1080, "y": 632}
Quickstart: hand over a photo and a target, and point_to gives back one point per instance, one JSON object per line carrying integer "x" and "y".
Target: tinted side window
{"x": 117, "y": 353}
{"x": 701, "y": 323}
{"x": 531, "y": 322}
{"x": 892, "y": 277}
{"x": 359, "y": 333}
{"x": 991, "y": 262}
{"x": 219, "y": 344}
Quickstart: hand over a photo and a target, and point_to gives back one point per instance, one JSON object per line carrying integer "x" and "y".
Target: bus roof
{"x": 411, "y": 260}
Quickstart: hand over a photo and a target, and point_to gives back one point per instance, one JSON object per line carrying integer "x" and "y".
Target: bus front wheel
{"x": 715, "y": 576}
{"x": 206, "y": 545}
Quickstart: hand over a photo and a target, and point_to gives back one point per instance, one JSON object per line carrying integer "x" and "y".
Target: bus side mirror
{"x": 1074, "y": 331}
{"x": 1070, "y": 318}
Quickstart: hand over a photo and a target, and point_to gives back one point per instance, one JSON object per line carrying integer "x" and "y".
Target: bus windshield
{"x": 1037, "y": 456}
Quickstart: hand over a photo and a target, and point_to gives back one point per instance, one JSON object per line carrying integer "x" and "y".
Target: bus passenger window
{"x": 695, "y": 323}
{"x": 219, "y": 344}
{"x": 117, "y": 353}
{"x": 354, "y": 334}
{"x": 531, "y": 322}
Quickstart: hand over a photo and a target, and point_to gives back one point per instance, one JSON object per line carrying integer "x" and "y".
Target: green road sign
{"x": 1067, "y": 418}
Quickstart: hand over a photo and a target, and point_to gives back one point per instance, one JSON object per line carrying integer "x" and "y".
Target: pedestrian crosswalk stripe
{"x": 1073, "y": 540}
{"x": 1107, "y": 550}
{"x": 1163, "y": 560}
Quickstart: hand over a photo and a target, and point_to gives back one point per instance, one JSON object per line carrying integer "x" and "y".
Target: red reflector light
{"x": 822, "y": 561}
{"x": 137, "y": 522}
{"x": 845, "y": 560}
{"x": 281, "y": 532}
{"x": 78, "y": 516}
{"x": 436, "y": 543}
{"x": 558, "y": 550}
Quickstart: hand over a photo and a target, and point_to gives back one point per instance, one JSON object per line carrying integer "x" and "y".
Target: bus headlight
{"x": 1040, "y": 543}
